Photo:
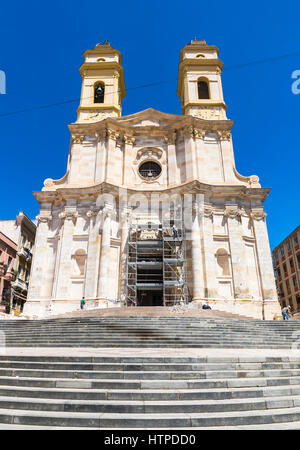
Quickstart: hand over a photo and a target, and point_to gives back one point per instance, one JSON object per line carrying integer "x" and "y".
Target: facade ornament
{"x": 258, "y": 214}
{"x": 208, "y": 211}
{"x": 171, "y": 138}
{"x": 68, "y": 215}
{"x": 112, "y": 134}
{"x": 224, "y": 135}
{"x": 254, "y": 181}
{"x": 199, "y": 134}
{"x": 130, "y": 140}
{"x": 149, "y": 152}
{"x": 232, "y": 212}
{"x": 188, "y": 131}
{"x": 100, "y": 135}
{"x": 91, "y": 214}
{"x": 43, "y": 218}
{"x": 77, "y": 138}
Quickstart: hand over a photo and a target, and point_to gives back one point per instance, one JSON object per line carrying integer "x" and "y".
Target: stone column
{"x": 172, "y": 162}
{"x": 209, "y": 257}
{"x": 75, "y": 160}
{"x": 200, "y": 152}
{"x": 101, "y": 159}
{"x": 65, "y": 262}
{"x": 47, "y": 289}
{"x": 270, "y": 300}
{"x": 39, "y": 257}
{"x": 227, "y": 154}
{"x": 128, "y": 159}
{"x": 103, "y": 285}
{"x": 114, "y": 157}
{"x": 190, "y": 153}
{"x": 197, "y": 260}
{"x": 125, "y": 225}
{"x": 90, "y": 287}
{"x": 237, "y": 251}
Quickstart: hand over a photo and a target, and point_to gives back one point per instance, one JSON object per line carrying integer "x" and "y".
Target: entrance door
{"x": 150, "y": 298}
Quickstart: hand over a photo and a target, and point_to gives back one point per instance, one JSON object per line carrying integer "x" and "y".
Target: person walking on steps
{"x": 82, "y": 303}
{"x": 175, "y": 232}
{"x": 285, "y": 312}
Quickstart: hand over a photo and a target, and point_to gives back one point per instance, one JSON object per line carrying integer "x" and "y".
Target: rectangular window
{"x": 298, "y": 300}
{"x": 288, "y": 245}
{"x": 284, "y": 268}
{"x": 282, "y": 251}
{"x": 298, "y": 258}
{"x": 291, "y": 263}
{"x": 288, "y": 285}
{"x": 9, "y": 263}
{"x": 278, "y": 272}
{"x": 296, "y": 240}
{"x": 276, "y": 256}
{"x": 295, "y": 281}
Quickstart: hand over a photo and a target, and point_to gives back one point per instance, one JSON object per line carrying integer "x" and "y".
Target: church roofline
{"x": 173, "y": 120}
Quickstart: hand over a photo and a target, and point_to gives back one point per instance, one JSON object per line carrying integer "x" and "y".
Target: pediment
{"x": 149, "y": 118}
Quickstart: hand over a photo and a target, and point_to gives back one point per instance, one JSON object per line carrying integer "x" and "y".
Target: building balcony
{"x": 25, "y": 253}
{"x": 20, "y": 284}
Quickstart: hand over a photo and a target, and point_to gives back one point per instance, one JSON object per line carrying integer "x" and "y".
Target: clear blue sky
{"x": 41, "y": 50}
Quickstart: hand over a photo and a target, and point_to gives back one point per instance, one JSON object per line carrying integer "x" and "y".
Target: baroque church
{"x": 151, "y": 210}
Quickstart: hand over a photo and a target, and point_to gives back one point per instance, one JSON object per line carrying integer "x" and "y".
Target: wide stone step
{"x": 146, "y": 421}
{"x": 148, "y": 407}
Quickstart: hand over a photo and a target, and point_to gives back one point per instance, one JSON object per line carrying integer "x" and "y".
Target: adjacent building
{"x": 152, "y": 210}
{"x": 20, "y": 234}
{"x": 8, "y": 253}
{"x": 286, "y": 258}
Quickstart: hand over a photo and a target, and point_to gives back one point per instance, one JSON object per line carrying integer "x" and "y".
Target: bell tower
{"x": 103, "y": 87}
{"x": 199, "y": 82}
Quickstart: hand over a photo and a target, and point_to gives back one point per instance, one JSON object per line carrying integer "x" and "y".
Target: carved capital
{"x": 232, "y": 212}
{"x": 224, "y": 135}
{"x": 171, "y": 138}
{"x": 130, "y": 140}
{"x": 258, "y": 214}
{"x": 77, "y": 138}
{"x": 43, "y": 218}
{"x": 100, "y": 135}
{"x": 199, "y": 134}
{"x": 112, "y": 134}
{"x": 188, "y": 132}
{"x": 208, "y": 211}
{"x": 68, "y": 215}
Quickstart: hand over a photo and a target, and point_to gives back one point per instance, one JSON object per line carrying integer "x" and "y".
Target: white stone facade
{"x": 81, "y": 241}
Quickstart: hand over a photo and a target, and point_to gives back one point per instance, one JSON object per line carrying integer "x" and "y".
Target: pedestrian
{"x": 175, "y": 231}
{"x": 206, "y": 306}
{"x": 82, "y": 303}
{"x": 284, "y": 312}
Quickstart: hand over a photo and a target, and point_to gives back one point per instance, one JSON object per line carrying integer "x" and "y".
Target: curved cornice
{"x": 195, "y": 186}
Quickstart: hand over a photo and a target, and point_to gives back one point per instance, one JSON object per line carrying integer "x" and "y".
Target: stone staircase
{"x": 170, "y": 332}
{"x": 144, "y": 393}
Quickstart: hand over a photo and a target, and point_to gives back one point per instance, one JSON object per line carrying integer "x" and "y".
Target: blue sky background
{"x": 41, "y": 50}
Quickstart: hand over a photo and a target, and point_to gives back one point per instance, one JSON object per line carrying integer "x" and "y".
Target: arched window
{"x": 203, "y": 90}
{"x": 99, "y": 93}
{"x": 223, "y": 262}
{"x": 79, "y": 259}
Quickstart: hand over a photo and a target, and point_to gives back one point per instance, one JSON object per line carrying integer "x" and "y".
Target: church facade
{"x": 151, "y": 210}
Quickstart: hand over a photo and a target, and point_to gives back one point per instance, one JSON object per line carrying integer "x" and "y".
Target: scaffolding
{"x": 156, "y": 264}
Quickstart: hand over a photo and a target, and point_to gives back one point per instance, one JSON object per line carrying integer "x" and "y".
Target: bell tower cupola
{"x": 103, "y": 87}
{"x": 199, "y": 81}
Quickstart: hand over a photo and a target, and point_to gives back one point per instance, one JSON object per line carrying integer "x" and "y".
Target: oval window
{"x": 150, "y": 170}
